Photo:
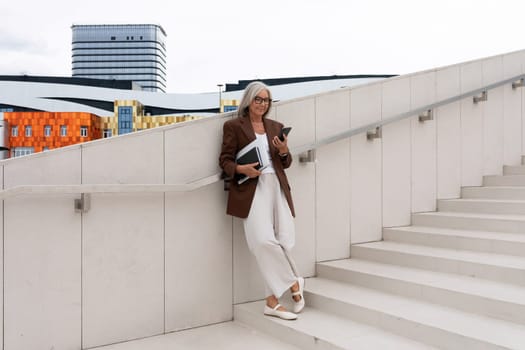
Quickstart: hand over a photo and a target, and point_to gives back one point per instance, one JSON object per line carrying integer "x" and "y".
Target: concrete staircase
{"x": 455, "y": 279}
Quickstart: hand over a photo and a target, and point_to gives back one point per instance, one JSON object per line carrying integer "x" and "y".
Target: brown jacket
{"x": 237, "y": 133}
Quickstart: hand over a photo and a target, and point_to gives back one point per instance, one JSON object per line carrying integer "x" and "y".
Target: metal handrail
{"x": 107, "y": 188}
{"x": 411, "y": 113}
{"x": 133, "y": 188}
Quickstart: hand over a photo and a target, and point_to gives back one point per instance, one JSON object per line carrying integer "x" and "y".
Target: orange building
{"x": 31, "y": 132}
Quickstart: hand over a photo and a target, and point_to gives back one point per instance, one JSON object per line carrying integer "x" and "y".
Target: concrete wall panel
{"x": 128, "y": 159}
{"x": 396, "y": 154}
{"x": 422, "y": 93}
{"x": 192, "y": 151}
{"x": 366, "y": 216}
{"x": 365, "y": 167}
{"x": 123, "y": 268}
{"x": 333, "y": 163}
{"x": 333, "y": 196}
{"x": 472, "y": 150}
{"x": 42, "y": 269}
{"x": 198, "y": 259}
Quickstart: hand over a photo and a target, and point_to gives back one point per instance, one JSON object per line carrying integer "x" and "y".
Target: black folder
{"x": 252, "y": 156}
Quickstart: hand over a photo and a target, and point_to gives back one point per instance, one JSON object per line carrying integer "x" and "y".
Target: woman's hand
{"x": 248, "y": 170}
{"x": 282, "y": 146}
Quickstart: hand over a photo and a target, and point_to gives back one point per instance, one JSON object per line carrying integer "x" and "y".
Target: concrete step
{"x": 471, "y": 221}
{"x": 487, "y": 206}
{"x": 513, "y": 170}
{"x": 494, "y": 192}
{"x": 495, "y": 267}
{"x": 428, "y": 323}
{"x": 317, "y": 329}
{"x": 489, "y": 298}
{"x": 479, "y": 241}
{"x": 507, "y": 180}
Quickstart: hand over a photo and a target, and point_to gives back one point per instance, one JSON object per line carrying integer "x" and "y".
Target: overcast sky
{"x": 222, "y": 41}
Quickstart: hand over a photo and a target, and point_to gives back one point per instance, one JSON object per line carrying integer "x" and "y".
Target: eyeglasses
{"x": 259, "y": 100}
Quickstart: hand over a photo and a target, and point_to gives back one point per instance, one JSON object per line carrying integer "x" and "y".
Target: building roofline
{"x": 122, "y": 25}
{"x": 241, "y": 85}
{"x": 103, "y": 83}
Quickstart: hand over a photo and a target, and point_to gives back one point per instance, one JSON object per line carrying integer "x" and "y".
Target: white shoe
{"x": 285, "y": 315}
{"x": 298, "y": 306}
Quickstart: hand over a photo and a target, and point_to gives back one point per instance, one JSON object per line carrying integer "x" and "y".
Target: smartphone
{"x": 284, "y": 131}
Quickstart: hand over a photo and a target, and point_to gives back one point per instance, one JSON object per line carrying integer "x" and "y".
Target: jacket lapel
{"x": 247, "y": 128}
{"x": 270, "y": 133}
{"x": 269, "y": 127}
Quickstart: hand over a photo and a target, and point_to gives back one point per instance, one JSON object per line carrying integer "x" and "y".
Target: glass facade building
{"x": 134, "y": 52}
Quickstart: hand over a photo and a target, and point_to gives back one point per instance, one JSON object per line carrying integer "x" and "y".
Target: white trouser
{"x": 270, "y": 234}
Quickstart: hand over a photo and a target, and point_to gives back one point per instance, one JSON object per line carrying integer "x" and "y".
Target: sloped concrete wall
{"x": 141, "y": 264}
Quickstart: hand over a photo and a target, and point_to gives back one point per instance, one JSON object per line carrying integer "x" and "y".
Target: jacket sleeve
{"x": 286, "y": 161}
{"x": 228, "y": 150}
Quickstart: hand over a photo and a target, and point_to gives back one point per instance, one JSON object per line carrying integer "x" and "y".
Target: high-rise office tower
{"x": 122, "y": 51}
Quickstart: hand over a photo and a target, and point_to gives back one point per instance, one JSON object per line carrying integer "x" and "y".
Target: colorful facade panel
{"x": 229, "y": 105}
{"x": 48, "y": 130}
{"x": 133, "y": 112}
{"x": 31, "y": 132}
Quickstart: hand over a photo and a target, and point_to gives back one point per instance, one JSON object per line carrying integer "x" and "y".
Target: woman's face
{"x": 260, "y": 104}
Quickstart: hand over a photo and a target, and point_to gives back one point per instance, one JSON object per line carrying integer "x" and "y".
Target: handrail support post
{"x": 428, "y": 115}
{"x": 517, "y": 84}
{"x": 83, "y": 204}
{"x": 374, "y": 134}
{"x": 307, "y": 157}
{"x": 483, "y": 97}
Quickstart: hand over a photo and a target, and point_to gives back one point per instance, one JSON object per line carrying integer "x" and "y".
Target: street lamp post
{"x": 220, "y": 96}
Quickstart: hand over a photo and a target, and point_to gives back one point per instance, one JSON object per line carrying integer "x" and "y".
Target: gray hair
{"x": 249, "y": 95}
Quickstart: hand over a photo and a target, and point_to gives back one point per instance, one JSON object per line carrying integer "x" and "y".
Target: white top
{"x": 263, "y": 140}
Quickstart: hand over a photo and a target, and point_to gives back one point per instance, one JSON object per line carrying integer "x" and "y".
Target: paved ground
{"x": 227, "y": 336}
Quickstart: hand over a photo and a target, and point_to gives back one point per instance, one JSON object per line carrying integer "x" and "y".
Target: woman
{"x": 264, "y": 201}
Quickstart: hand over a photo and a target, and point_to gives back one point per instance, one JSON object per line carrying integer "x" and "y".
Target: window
{"x": 14, "y": 130}
{"x": 84, "y": 131}
{"x": 112, "y": 38}
{"x": 125, "y": 120}
{"x": 22, "y": 151}
{"x": 63, "y": 130}
{"x": 28, "y": 131}
{"x": 107, "y": 133}
{"x": 47, "y": 130}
